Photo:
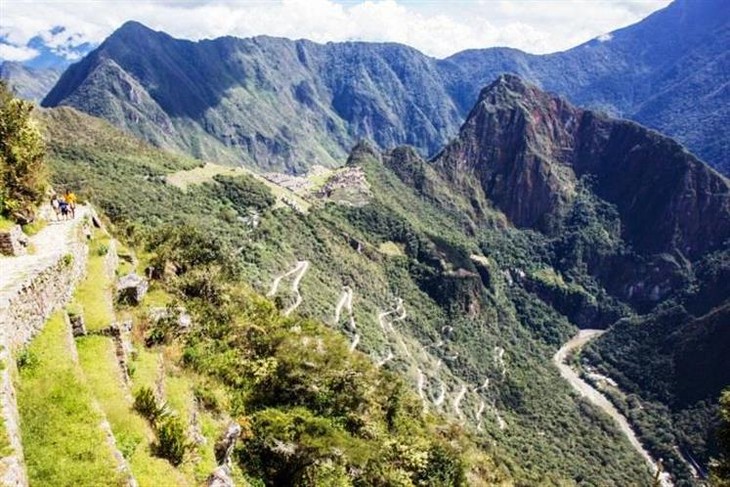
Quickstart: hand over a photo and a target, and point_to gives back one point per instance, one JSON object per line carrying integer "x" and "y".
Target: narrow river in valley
{"x": 594, "y": 396}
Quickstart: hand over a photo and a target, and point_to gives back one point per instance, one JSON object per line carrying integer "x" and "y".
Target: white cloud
{"x": 15, "y": 53}
{"x": 438, "y": 28}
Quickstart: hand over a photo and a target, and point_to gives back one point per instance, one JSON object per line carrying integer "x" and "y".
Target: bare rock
{"x": 13, "y": 242}
{"x": 132, "y": 288}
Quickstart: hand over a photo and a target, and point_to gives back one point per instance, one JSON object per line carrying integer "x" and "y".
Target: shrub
{"x": 23, "y": 174}
{"x": 172, "y": 442}
{"x": 102, "y": 250}
{"x": 145, "y": 403}
{"x": 26, "y": 359}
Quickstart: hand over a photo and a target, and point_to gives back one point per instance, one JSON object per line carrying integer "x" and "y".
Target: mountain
{"x": 649, "y": 221}
{"x": 289, "y": 105}
{"x": 465, "y": 273}
{"x": 668, "y": 72}
{"x": 29, "y": 83}
{"x": 271, "y": 103}
{"x": 526, "y": 151}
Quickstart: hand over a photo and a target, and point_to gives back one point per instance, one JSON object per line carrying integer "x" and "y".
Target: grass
{"x": 93, "y": 293}
{"x": 391, "y": 248}
{"x": 62, "y": 440}
{"x": 133, "y": 435}
{"x": 6, "y": 225}
{"x": 201, "y": 174}
{"x": 34, "y": 227}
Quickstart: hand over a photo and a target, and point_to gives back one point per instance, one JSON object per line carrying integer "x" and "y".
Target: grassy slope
{"x": 62, "y": 440}
{"x": 133, "y": 435}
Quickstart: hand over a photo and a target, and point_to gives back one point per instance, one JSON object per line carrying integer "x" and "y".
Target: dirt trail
{"x": 345, "y": 302}
{"x": 48, "y": 246}
{"x": 299, "y": 270}
{"x": 457, "y": 401}
{"x": 594, "y": 396}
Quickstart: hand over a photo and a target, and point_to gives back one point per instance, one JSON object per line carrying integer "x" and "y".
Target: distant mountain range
{"x": 280, "y": 104}
{"x": 29, "y": 83}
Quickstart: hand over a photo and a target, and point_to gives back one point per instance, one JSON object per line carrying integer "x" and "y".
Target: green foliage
{"x": 26, "y": 359}
{"x": 172, "y": 442}
{"x": 721, "y": 466}
{"x": 23, "y": 175}
{"x": 245, "y": 192}
{"x": 102, "y": 249}
{"x": 145, "y": 403}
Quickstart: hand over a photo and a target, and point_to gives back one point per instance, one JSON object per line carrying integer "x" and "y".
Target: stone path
{"x": 47, "y": 247}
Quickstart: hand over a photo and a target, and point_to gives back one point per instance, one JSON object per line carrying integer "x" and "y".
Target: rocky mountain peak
{"x": 526, "y": 151}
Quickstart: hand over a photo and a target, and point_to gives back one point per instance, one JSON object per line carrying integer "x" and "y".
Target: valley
{"x": 351, "y": 264}
{"x": 596, "y": 397}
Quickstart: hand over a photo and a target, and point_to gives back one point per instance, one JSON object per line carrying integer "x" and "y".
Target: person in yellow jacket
{"x": 70, "y": 198}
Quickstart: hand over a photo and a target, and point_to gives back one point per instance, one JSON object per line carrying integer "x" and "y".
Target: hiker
{"x": 65, "y": 208}
{"x": 70, "y": 198}
{"x": 56, "y": 205}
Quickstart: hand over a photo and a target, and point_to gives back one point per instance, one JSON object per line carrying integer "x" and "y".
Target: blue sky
{"x": 34, "y": 30}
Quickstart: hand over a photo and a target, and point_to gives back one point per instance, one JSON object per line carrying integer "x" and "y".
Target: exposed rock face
{"x": 132, "y": 288}
{"x": 13, "y": 242}
{"x": 525, "y": 151}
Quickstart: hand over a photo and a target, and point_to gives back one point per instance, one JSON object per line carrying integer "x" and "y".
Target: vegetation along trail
{"x": 594, "y": 396}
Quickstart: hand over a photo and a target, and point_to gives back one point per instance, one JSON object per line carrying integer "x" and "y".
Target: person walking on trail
{"x": 56, "y": 205}
{"x": 70, "y": 199}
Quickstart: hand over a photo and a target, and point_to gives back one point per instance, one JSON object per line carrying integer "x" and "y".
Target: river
{"x": 593, "y": 395}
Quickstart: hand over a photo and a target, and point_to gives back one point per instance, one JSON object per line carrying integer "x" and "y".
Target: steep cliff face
{"x": 526, "y": 151}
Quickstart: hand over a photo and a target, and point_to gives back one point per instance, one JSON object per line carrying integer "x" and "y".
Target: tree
{"x": 23, "y": 174}
{"x": 721, "y": 466}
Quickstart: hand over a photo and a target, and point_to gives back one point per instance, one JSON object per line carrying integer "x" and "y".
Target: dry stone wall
{"x": 23, "y": 312}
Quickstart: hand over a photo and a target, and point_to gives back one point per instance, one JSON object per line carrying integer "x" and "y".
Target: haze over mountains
{"x": 236, "y": 100}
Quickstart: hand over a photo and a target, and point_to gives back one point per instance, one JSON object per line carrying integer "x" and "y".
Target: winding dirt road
{"x": 299, "y": 269}
{"x": 594, "y": 396}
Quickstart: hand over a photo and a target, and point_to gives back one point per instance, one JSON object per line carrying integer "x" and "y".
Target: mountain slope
{"x": 29, "y": 83}
{"x": 274, "y": 103}
{"x": 271, "y": 103}
{"x": 668, "y": 71}
{"x": 435, "y": 271}
{"x": 420, "y": 306}
{"x": 526, "y": 151}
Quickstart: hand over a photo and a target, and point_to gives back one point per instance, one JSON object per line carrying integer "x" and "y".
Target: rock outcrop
{"x": 131, "y": 289}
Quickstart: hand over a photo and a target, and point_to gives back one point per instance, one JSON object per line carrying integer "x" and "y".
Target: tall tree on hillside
{"x": 23, "y": 174}
{"x": 721, "y": 467}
